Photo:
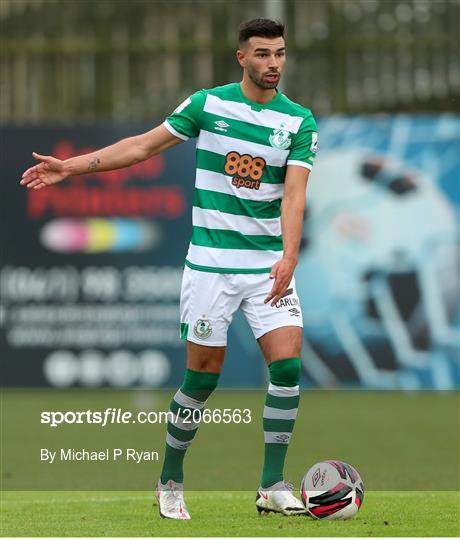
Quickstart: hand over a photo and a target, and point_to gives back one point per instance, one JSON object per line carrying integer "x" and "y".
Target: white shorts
{"x": 209, "y": 300}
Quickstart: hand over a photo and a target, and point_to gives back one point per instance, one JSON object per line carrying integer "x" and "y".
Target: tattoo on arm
{"x": 94, "y": 163}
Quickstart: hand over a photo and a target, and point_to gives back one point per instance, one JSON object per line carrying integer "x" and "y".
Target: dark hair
{"x": 260, "y": 28}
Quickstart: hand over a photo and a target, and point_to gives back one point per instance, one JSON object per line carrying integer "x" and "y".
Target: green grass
{"x": 397, "y": 441}
{"x": 406, "y": 447}
{"x": 220, "y": 514}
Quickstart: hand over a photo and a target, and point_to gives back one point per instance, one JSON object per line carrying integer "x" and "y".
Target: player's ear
{"x": 240, "y": 56}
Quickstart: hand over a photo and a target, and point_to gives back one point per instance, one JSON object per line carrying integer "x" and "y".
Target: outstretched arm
{"x": 292, "y": 212}
{"x": 123, "y": 153}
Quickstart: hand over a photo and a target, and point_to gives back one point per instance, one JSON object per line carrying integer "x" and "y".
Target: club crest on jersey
{"x": 202, "y": 329}
{"x": 280, "y": 138}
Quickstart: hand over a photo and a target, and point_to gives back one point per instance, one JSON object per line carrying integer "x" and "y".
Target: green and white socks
{"x": 280, "y": 412}
{"x": 182, "y": 427}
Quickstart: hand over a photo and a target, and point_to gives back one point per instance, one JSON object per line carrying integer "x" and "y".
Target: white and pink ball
{"x": 332, "y": 489}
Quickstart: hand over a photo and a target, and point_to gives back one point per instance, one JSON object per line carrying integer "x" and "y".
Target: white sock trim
{"x": 185, "y": 401}
{"x": 279, "y": 414}
{"x": 175, "y": 443}
{"x": 283, "y": 391}
{"x": 181, "y": 423}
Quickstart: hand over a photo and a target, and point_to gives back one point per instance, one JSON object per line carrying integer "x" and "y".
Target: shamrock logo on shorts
{"x": 202, "y": 329}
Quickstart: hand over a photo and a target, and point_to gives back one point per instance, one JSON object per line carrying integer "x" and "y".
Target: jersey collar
{"x": 259, "y": 106}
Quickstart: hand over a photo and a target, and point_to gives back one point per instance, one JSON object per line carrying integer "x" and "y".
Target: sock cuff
{"x": 199, "y": 380}
{"x": 285, "y": 372}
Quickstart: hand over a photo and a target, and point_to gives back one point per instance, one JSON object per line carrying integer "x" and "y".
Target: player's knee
{"x": 209, "y": 365}
{"x": 202, "y": 358}
{"x": 199, "y": 384}
{"x": 285, "y": 372}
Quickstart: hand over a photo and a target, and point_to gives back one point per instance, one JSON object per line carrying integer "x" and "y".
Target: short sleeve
{"x": 185, "y": 121}
{"x": 303, "y": 150}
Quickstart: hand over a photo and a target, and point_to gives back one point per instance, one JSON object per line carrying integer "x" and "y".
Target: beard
{"x": 259, "y": 81}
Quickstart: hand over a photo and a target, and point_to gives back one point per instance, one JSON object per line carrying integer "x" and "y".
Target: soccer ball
{"x": 332, "y": 490}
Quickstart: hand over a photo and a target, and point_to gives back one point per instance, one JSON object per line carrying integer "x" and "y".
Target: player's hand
{"x": 49, "y": 171}
{"x": 282, "y": 273}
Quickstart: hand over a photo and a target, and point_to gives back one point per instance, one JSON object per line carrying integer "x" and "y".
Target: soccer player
{"x": 255, "y": 150}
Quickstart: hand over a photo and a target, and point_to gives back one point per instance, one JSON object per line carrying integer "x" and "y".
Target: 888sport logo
{"x": 245, "y": 169}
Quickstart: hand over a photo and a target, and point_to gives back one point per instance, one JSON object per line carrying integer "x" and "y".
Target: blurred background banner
{"x": 91, "y": 269}
{"x": 91, "y": 279}
{"x": 378, "y": 276}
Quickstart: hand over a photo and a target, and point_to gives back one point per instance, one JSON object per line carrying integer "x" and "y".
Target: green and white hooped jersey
{"x": 242, "y": 152}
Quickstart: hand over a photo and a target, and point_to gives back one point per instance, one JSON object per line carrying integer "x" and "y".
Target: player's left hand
{"x": 282, "y": 273}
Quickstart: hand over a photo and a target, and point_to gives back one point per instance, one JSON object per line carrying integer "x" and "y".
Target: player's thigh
{"x": 284, "y": 342}
{"x": 204, "y": 358}
{"x": 278, "y": 328}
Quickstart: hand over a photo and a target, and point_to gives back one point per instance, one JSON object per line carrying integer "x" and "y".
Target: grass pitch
{"x": 397, "y": 441}
{"x": 220, "y": 514}
{"x": 406, "y": 447}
